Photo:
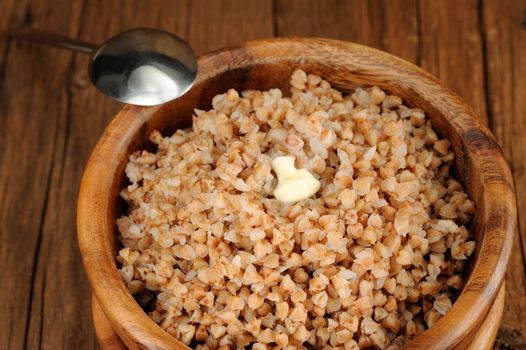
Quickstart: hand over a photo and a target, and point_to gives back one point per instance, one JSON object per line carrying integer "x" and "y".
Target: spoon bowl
{"x": 144, "y": 67}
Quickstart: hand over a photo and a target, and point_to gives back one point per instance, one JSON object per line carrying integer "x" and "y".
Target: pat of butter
{"x": 293, "y": 184}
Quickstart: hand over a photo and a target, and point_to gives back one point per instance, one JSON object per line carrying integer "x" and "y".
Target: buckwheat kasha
{"x": 373, "y": 259}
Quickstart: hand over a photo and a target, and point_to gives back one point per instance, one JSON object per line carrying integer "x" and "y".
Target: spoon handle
{"x": 52, "y": 39}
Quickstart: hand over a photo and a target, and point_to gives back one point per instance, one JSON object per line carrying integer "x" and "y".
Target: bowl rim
{"x": 480, "y": 290}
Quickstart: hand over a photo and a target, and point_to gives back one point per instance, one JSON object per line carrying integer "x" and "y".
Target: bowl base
{"x": 483, "y": 340}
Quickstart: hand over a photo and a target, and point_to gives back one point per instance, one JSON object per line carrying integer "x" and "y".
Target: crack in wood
{"x": 275, "y": 31}
{"x": 44, "y": 213}
{"x": 419, "y": 43}
{"x": 485, "y": 68}
{"x": 3, "y": 65}
{"x": 28, "y": 16}
{"x": 38, "y": 245}
{"x": 42, "y": 304}
{"x": 517, "y": 173}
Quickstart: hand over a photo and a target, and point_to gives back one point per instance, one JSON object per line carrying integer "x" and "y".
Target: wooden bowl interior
{"x": 256, "y": 68}
{"x": 178, "y": 115}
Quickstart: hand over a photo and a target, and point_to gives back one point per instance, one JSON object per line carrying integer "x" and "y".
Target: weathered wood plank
{"x": 61, "y": 316}
{"x": 33, "y": 111}
{"x": 451, "y": 48}
{"x": 505, "y": 34}
{"x": 216, "y": 24}
{"x": 12, "y": 14}
{"x": 106, "y": 18}
{"x": 386, "y": 25}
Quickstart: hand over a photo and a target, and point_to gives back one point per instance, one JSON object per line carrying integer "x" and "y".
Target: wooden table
{"x": 50, "y": 118}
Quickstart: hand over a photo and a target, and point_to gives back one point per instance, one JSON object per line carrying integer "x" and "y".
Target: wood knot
{"x": 80, "y": 80}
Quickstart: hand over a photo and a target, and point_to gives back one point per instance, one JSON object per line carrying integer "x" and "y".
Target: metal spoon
{"x": 143, "y": 66}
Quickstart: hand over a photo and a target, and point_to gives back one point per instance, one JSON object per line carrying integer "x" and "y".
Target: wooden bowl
{"x": 265, "y": 64}
{"x": 483, "y": 339}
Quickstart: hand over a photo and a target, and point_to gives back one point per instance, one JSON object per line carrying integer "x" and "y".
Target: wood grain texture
{"x": 391, "y": 26}
{"x": 30, "y": 143}
{"x": 106, "y": 336}
{"x": 505, "y": 35}
{"x": 261, "y": 65}
{"x": 214, "y": 24}
{"x": 451, "y": 48}
{"x": 487, "y": 333}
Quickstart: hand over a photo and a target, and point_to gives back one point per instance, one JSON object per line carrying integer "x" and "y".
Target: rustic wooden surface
{"x": 50, "y": 118}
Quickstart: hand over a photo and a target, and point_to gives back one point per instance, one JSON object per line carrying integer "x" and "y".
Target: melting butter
{"x": 293, "y": 184}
